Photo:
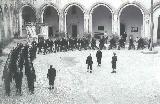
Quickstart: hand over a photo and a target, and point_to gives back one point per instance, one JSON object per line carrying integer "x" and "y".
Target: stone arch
{"x": 94, "y": 6}
{"x": 106, "y": 17}
{"x": 66, "y": 7}
{"x": 70, "y": 19}
{"x": 20, "y": 13}
{"x": 20, "y": 9}
{"x": 136, "y": 4}
{"x": 156, "y": 6}
{"x": 44, "y": 6}
{"x": 52, "y": 19}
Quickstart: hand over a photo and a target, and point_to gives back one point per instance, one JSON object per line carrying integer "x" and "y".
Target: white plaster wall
{"x": 132, "y": 17}
{"x": 76, "y": 19}
{"x": 102, "y": 17}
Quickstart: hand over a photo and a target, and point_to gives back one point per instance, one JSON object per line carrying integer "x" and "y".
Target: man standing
{"x": 89, "y": 62}
{"x": 124, "y": 36}
{"x": 31, "y": 79}
{"x": 114, "y": 60}
{"x": 51, "y": 76}
{"x": 18, "y": 80}
{"x": 99, "y": 57}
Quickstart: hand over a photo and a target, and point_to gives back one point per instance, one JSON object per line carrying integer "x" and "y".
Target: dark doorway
{"x": 74, "y": 30}
{"x": 50, "y": 31}
{"x": 122, "y": 28}
{"x": 158, "y": 30}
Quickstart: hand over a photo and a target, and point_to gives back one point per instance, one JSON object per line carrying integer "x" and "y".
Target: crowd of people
{"x": 67, "y": 44}
{"x": 22, "y": 56}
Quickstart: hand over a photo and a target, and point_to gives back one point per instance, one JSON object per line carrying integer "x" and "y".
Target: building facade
{"x": 79, "y": 17}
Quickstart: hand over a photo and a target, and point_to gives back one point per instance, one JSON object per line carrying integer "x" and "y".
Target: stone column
{"x": 86, "y": 22}
{"x": 61, "y": 24}
{"x": 20, "y": 24}
{"x": 146, "y": 26}
{"x": 90, "y": 24}
{"x": 115, "y": 24}
{"x": 65, "y": 24}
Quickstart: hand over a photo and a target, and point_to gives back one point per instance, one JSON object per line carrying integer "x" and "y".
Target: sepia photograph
{"x": 79, "y": 51}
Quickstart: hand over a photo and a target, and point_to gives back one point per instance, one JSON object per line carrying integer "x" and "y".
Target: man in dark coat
{"x": 51, "y": 76}
{"x": 18, "y": 80}
{"x": 114, "y": 60}
{"x": 7, "y": 79}
{"x": 93, "y": 43}
{"x": 124, "y": 36}
{"x": 31, "y": 79}
{"x": 89, "y": 62}
{"x": 131, "y": 43}
{"x": 99, "y": 57}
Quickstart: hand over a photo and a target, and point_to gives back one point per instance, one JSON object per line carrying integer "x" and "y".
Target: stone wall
{"x": 12, "y": 12}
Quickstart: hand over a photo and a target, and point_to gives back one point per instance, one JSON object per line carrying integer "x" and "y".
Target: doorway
{"x": 122, "y": 28}
{"x": 50, "y": 31}
{"x": 74, "y": 31}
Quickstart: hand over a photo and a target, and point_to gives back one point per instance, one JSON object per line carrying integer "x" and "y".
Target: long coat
{"x": 114, "y": 60}
{"x": 51, "y": 75}
{"x": 89, "y": 60}
{"x": 99, "y": 56}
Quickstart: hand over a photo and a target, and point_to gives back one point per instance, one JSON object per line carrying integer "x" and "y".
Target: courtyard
{"x": 136, "y": 81}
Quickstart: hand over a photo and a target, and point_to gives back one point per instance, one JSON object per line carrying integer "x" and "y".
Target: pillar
{"x": 115, "y": 24}
{"x": 61, "y": 25}
{"x": 65, "y": 24}
{"x": 86, "y": 22}
{"x": 90, "y": 24}
{"x": 20, "y": 24}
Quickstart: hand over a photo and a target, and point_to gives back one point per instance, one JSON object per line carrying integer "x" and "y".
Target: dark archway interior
{"x": 131, "y": 20}
{"x": 101, "y": 21}
{"x": 51, "y": 19}
{"x": 28, "y": 15}
{"x": 75, "y": 22}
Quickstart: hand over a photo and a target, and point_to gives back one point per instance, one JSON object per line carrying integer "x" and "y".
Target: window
{"x": 100, "y": 27}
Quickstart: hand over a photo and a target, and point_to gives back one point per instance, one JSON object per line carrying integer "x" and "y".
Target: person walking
{"x": 51, "y": 76}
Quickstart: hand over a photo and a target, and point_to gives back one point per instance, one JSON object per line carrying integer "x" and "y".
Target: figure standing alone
{"x": 114, "y": 60}
{"x": 99, "y": 57}
{"x": 51, "y": 76}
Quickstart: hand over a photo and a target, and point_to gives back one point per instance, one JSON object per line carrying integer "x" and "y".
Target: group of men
{"x": 20, "y": 57}
{"x": 89, "y": 61}
{"x": 62, "y": 44}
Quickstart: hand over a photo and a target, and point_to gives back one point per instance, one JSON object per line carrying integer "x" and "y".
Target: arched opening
{"x": 28, "y": 17}
{"x": 131, "y": 21}
{"x": 75, "y": 22}
{"x": 101, "y": 21}
{"x": 158, "y": 29}
{"x": 51, "y": 19}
